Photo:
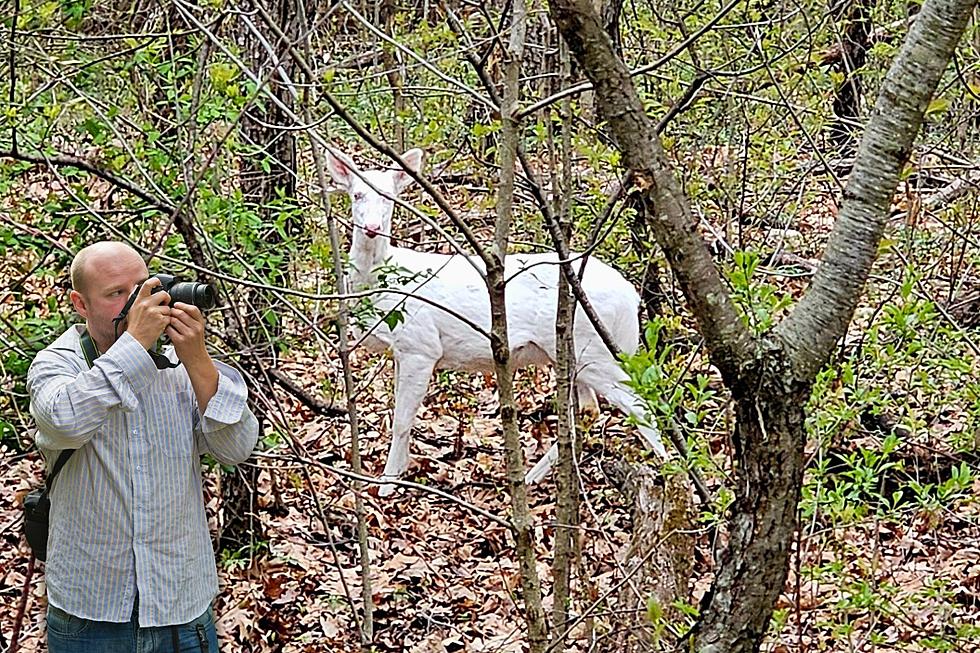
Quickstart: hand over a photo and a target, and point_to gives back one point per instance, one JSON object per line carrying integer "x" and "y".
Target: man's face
{"x": 110, "y": 278}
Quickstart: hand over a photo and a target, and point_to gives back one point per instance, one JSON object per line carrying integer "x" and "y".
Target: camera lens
{"x": 201, "y": 295}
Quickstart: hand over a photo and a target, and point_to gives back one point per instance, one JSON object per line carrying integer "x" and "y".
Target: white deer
{"x": 429, "y": 338}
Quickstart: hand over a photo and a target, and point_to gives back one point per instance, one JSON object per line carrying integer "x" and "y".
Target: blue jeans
{"x": 69, "y": 634}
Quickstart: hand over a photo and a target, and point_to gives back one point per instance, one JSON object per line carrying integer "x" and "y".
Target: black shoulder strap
{"x": 88, "y": 348}
{"x": 91, "y": 353}
{"x": 62, "y": 459}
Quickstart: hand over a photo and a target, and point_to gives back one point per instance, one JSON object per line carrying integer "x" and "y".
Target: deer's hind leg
{"x": 588, "y": 403}
{"x": 606, "y": 378}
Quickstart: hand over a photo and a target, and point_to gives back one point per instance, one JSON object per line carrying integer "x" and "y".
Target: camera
{"x": 201, "y": 295}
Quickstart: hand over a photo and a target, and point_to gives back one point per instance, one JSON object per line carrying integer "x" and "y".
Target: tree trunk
{"x": 499, "y": 343}
{"x": 769, "y": 438}
{"x": 567, "y": 486}
{"x": 260, "y": 189}
{"x": 393, "y": 70}
{"x": 611, "y": 11}
{"x": 660, "y": 554}
{"x": 855, "y": 41}
{"x": 271, "y": 171}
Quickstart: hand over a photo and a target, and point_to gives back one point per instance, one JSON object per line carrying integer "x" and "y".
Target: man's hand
{"x": 149, "y": 315}
{"x": 186, "y": 332}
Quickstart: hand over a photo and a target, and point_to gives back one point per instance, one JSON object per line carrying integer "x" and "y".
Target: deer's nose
{"x": 372, "y": 230}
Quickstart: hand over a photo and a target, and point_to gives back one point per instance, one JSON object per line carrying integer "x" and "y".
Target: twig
{"x": 684, "y": 102}
{"x": 500, "y": 521}
{"x": 22, "y": 606}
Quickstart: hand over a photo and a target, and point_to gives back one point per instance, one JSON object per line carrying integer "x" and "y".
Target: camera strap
{"x": 161, "y": 361}
{"x": 58, "y": 464}
{"x": 88, "y": 348}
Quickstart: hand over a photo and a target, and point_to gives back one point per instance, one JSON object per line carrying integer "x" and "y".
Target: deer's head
{"x": 372, "y": 192}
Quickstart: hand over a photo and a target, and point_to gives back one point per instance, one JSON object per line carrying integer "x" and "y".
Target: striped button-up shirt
{"x": 127, "y": 510}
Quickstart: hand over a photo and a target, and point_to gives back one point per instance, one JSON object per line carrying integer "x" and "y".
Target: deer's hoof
{"x": 386, "y": 490}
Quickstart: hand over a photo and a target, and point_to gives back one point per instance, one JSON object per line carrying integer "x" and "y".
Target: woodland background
{"x": 192, "y": 130}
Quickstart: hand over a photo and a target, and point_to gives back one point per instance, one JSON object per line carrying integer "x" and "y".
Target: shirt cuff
{"x": 133, "y": 360}
{"x": 228, "y": 403}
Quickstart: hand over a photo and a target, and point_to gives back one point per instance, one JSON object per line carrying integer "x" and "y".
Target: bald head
{"x": 98, "y": 256}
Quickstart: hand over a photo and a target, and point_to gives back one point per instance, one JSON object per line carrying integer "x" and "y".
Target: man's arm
{"x": 227, "y": 430}
{"x": 186, "y": 331}
{"x": 70, "y": 402}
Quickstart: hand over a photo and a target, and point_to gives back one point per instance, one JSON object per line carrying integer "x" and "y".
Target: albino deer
{"x": 430, "y": 338}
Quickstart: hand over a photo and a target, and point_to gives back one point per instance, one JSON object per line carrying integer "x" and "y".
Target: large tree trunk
{"x": 272, "y": 170}
{"x": 770, "y": 377}
{"x": 769, "y": 438}
{"x": 266, "y": 176}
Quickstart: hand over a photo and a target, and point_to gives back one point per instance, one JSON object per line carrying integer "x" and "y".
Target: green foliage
{"x": 759, "y": 302}
{"x": 367, "y": 312}
{"x": 241, "y": 558}
{"x": 655, "y": 615}
{"x": 658, "y": 376}
{"x": 662, "y": 379}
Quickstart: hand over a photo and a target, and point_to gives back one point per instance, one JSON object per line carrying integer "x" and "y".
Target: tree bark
{"x": 769, "y": 437}
{"x": 611, "y": 11}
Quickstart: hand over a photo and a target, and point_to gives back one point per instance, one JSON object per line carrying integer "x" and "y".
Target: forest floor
{"x": 446, "y": 579}
{"x": 890, "y": 561}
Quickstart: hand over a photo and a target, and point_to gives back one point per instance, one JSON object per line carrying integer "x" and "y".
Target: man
{"x": 129, "y": 561}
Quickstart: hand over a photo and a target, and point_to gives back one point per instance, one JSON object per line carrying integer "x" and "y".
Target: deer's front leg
{"x": 412, "y": 374}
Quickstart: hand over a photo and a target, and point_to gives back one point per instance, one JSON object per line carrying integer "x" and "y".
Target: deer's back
{"x": 532, "y": 281}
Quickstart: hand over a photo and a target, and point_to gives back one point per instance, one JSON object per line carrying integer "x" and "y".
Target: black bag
{"x": 36, "y": 508}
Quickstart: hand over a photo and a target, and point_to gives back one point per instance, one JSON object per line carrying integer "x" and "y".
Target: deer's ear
{"x": 413, "y": 159}
{"x": 339, "y": 168}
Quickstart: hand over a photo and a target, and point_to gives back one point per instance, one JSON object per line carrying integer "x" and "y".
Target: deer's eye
{"x": 358, "y": 196}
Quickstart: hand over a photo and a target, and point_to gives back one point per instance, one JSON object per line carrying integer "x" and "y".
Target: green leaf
{"x": 393, "y": 319}
{"x": 938, "y": 105}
